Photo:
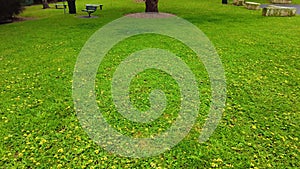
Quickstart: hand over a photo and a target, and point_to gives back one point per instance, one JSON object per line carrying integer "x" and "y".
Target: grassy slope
{"x": 260, "y": 124}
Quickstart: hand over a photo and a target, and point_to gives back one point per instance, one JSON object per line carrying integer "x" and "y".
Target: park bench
{"x": 91, "y": 8}
{"x": 60, "y": 6}
{"x": 252, "y": 5}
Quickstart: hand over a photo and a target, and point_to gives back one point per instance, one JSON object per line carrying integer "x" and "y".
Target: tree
{"x": 151, "y": 5}
{"x": 72, "y": 6}
{"x": 45, "y": 4}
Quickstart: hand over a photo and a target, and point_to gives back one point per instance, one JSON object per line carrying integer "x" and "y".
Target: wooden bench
{"x": 57, "y": 6}
{"x": 252, "y": 5}
{"x": 91, "y": 8}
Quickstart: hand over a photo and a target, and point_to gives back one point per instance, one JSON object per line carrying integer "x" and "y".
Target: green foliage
{"x": 260, "y": 125}
{"x": 9, "y": 8}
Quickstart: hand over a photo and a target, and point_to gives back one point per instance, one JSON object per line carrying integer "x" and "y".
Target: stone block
{"x": 281, "y": 1}
{"x": 238, "y": 2}
{"x": 252, "y": 5}
{"x": 273, "y": 10}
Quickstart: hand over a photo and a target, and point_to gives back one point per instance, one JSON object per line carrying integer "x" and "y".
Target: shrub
{"x": 10, "y": 8}
{"x": 37, "y": 1}
{"x": 49, "y": 1}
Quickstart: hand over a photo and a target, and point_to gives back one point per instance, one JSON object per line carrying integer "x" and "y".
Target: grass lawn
{"x": 260, "y": 55}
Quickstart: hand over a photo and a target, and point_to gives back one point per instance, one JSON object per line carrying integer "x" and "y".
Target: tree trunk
{"x": 72, "y": 6}
{"x": 45, "y": 4}
{"x": 151, "y": 5}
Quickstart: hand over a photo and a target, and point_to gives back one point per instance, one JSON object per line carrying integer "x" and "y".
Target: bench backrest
{"x": 88, "y": 7}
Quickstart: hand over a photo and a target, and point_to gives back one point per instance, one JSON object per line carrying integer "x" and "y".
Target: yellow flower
{"x": 21, "y": 154}
{"x": 153, "y": 164}
{"x": 213, "y": 165}
{"x": 218, "y": 160}
{"x": 60, "y": 150}
{"x": 42, "y": 141}
{"x": 59, "y": 166}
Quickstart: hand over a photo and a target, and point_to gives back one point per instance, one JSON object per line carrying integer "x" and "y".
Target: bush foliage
{"x": 10, "y": 8}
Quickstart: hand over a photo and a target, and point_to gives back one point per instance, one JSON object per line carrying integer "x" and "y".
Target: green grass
{"x": 260, "y": 125}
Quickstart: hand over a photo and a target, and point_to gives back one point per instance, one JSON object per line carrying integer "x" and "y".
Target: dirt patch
{"x": 88, "y": 17}
{"x": 21, "y": 19}
{"x": 139, "y": 1}
{"x": 15, "y": 19}
{"x": 150, "y": 15}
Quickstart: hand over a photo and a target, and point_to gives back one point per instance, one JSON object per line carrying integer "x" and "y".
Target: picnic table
{"x": 91, "y": 8}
